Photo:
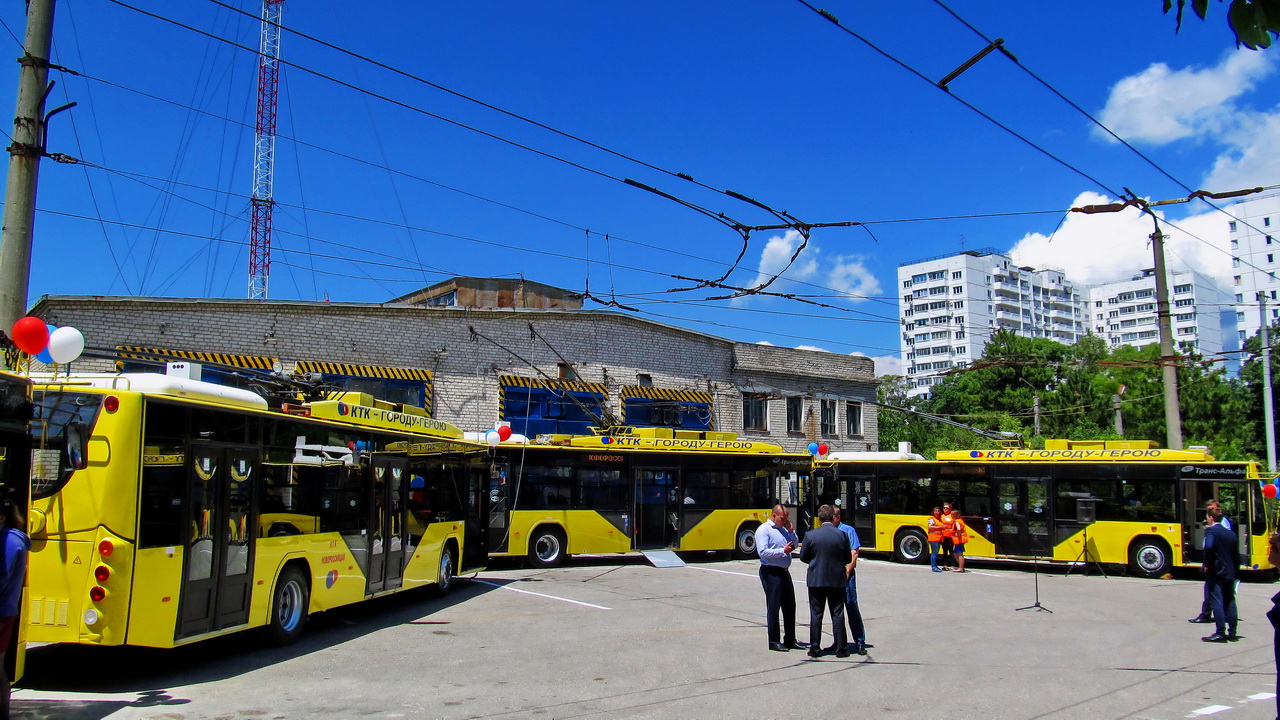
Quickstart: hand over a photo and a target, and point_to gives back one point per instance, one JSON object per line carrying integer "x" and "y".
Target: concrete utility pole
{"x": 1115, "y": 404}
{"x": 1172, "y": 415}
{"x": 24, "y": 164}
{"x": 1268, "y": 411}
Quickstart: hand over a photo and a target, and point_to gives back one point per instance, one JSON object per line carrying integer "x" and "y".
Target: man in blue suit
{"x": 1221, "y": 559}
{"x": 826, "y": 552}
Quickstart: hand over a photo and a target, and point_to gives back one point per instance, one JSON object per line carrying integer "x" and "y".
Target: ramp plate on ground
{"x": 663, "y": 558}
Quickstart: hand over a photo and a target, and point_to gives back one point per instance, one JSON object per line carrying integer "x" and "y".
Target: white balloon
{"x": 65, "y": 344}
{"x": 492, "y": 437}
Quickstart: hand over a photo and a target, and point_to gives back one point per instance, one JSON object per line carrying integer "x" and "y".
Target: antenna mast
{"x": 264, "y": 150}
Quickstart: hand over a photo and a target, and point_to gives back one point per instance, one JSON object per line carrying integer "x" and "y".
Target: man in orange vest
{"x": 959, "y": 536}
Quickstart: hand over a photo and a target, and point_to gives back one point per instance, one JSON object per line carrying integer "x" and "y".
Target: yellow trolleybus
{"x": 633, "y": 489}
{"x": 1115, "y": 502}
{"x": 167, "y": 510}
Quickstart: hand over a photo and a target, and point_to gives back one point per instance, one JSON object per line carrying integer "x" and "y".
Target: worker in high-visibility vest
{"x": 934, "y": 524}
{"x": 959, "y": 537}
{"x": 948, "y": 536}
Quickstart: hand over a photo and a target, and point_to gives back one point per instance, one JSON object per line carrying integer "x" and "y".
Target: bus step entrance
{"x": 663, "y": 558}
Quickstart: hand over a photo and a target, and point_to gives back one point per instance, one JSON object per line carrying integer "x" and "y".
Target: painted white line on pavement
{"x": 541, "y": 595}
{"x": 1262, "y": 696}
{"x": 126, "y": 697}
{"x": 1211, "y": 710}
{"x": 726, "y": 572}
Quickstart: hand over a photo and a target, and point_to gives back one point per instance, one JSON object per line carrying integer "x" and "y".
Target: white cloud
{"x": 1160, "y": 105}
{"x": 814, "y": 348}
{"x": 1253, "y": 156}
{"x": 887, "y": 364}
{"x": 1113, "y": 246}
{"x": 765, "y": 342}
{"x": 845, "y": 274}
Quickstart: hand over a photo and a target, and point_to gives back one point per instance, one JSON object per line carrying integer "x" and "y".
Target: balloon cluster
{"x": 49, "y": 344}
{"x": 499, "y": 433}
{"x": 818, "y": 448}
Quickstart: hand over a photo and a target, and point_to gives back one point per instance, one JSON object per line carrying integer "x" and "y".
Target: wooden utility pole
{"x": 24, "y": 164}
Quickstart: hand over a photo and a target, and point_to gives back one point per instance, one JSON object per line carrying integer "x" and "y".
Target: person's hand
{"x": 790, "y": 547}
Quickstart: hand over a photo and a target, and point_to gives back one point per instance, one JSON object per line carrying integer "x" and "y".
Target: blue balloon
{"x": 44, "y": 356}
{"x": 813, "y": 448}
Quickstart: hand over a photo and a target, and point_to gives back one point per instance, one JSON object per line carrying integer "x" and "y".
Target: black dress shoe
{"x": 829, "y": 649}
{"x": 779, "y": 647}
{"x": 1216, "y": 637}
{"x": 797, "y": 645}
{"x": 1232, "y": 636}
{"x": 860, "y": 648}
{"x": 842, "y": 653}
{"x": 814, "y": 653}
{"x": 1201, "y": 619}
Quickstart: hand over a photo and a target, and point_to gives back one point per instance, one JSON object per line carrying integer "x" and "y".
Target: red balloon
{"x": 31, "y": 335}
{"x": 1269, "y": 490}
{"x": 822, "y": 448}
{"x": 504, "y": 432}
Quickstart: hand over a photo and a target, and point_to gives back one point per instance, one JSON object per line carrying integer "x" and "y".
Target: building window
{"x": 956, "y": 275}
{"x": 567, "y": 372}
{"x": 644, "y": 380}
{"x": 1239, "y": 298}
{"x": 755, "y": 411}
{"x": 957, "y": 289}
{"x": 1232, "y": 225}
{"x": 795, "y": 414}
{"x": 853, "y": 419}
{"x": 1235, "y": 280}
{"x": 828, "y": 417}
{"x": 1182, "y": 288}
{"x": 1266, "y": 222}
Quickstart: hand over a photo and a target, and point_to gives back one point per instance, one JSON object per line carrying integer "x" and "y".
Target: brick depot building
{"x": 474, "y": 351}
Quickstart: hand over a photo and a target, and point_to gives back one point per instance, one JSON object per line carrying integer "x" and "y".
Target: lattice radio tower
{"x": 264, "y": 150}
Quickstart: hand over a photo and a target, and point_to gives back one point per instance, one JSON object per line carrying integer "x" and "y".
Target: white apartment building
{"x": 951, "y": 305}
{"x": 1203, "y": 319}
{"x": 1255, "y": 260}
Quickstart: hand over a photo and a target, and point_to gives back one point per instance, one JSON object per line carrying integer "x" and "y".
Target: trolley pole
{"x": 24, "y": 163}
{"x": 1268, "y": 411}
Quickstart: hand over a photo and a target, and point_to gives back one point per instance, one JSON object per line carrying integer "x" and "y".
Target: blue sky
{"x": 767, "y": 99}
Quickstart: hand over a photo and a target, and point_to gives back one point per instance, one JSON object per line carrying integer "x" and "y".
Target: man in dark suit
{"x": 1221, "y": 559}
{"x": 826, "y": 552}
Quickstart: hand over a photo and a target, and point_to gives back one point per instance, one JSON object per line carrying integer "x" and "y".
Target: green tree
{"x": 1252, "y": 21}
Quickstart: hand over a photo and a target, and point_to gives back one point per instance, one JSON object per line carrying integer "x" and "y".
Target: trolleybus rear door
{"x": 386, "y": 554}
{"x": 658, "y": 521}
{"x": 219, "y": 557}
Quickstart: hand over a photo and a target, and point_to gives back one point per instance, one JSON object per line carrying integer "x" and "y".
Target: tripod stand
{"x": 1035, "y": 570}
{"x": 1086, "y": 557}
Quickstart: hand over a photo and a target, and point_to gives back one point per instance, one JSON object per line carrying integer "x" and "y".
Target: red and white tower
{"x": 264, "y": 150}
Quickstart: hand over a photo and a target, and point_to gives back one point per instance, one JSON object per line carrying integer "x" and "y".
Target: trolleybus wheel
{"x": 547, "y": 547}
{"x": 288, "y": 607}
{"x": 1149, "y": 557}
{"x": 910, "y": 546}
{"x": 444, "y": 583}
{"x": 744, "y": 547}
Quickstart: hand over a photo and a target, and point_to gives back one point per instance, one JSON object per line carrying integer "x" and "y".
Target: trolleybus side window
{"x": 605, "y": 489}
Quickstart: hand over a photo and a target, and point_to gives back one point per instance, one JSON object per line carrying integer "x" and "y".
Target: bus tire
{"x": 448, "y": 571}
{"x": 910, "y": 546}
{"x": 547, "y": 547}
{"x": 1150, "y": 557}
{"x": 289, "y": 605}
{"x": 744, "y": 543}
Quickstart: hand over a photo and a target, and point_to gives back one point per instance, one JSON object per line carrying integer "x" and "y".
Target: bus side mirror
{"x": 76, "y": 439}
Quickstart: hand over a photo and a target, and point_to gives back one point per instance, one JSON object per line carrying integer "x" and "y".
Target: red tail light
{"x": 111, "y": 404}
{"x": 96, "y": 593}
{"x": 105, "y": 548}
{"x": 102, "y": 572}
